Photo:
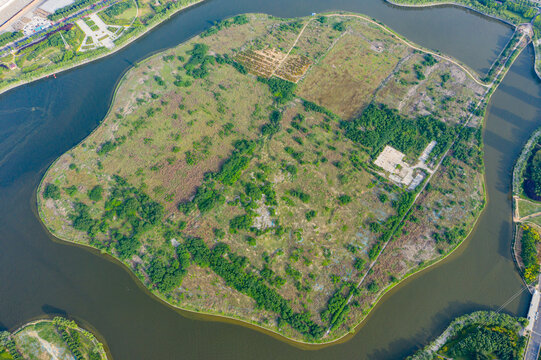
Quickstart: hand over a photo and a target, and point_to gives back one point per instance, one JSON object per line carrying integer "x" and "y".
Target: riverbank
{"x": 536, "y": 41}
{"x": 103, "y": 52}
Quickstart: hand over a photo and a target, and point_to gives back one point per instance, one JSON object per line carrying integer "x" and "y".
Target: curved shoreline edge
{"x": 239, "y": 321}
{"x": 537, "y": 50}
{"x": 99, "y": 56}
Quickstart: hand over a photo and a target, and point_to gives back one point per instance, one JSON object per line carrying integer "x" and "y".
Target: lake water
{"x": 39, "y": 275}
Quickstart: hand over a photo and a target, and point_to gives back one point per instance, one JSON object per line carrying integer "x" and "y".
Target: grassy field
{"x": 528, "y": 207}
{"x": 51, "y": 339}
{"x": 256, "y": 197}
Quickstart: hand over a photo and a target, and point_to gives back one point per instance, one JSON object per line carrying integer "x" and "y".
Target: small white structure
{"x": 532, "y": 312}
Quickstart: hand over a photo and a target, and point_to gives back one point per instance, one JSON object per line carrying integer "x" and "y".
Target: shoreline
{"x": 99, "y": 56}
{"x": 243, "y": 322}
{"x": 537, "y": 50}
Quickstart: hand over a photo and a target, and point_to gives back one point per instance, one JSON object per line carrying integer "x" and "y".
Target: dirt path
{"x": 407, "y": 43}
{"x": 49, "y": 348}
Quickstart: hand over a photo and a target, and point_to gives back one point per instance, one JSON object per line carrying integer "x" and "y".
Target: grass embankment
{"x": 67, "y": 47}
{"x": 51, "y": 339}
{"x": 257, "y": 198}
{"x": 480, "y": 335}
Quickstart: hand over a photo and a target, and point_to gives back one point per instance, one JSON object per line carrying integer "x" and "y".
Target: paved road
{"x": 534, "y": 314}
{"x": 532, "y": 352}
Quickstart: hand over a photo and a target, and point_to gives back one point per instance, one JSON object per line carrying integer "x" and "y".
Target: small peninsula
{"x": 59, "y": 339}
{"x": 281, "y": 172}
{"x": 480, "y": 335}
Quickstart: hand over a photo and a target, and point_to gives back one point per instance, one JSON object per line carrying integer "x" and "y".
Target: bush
{"x": 344, "y": 199}
{"x": 282, "y": 90}
{"x": 96, "y": 193}
{"x": 51, "y": 192}
{"x": 310, "y": 214}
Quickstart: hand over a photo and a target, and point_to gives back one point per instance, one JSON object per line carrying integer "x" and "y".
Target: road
{"x": 532, "y": 352}
{"x": 534, "y": 344}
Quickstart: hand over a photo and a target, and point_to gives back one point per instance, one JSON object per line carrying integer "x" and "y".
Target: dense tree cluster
{"x": 224, "y": 24}
{"x": 282, "y": 90}
{"x": 392, "y": 223}
{"x": 532, "y": 176}
{"x": 208, "y": 195}
{"x": 529, "y": 241}
{"x": 274, "y": 125}
{"x": 70, "y": 9}
{"x": 515, "y": 10}
{"x": 134, "y": 209}
{"x": 110, "y": 145}
{"x": 8, "y": 37}
{"x": 198, "y": 64}
{"x": 233, "y": 269}
{"x": 117, "y": 9}
{"x": 379, "y": 126}
{"x": 483, "y": 342}
{"x": 167, "y": 275}
{"x": 7, "y": 342}
{"x": 71, "y": 338}
{"x": 51, "y": 192}
{"x": 337, "y": 308}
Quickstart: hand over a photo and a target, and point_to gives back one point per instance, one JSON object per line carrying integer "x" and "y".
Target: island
{"x": 282, "y": 172}
{"x": 513, "y": 13}
{"x": 40, "y": 40}
{"x": 46, "y": 339}
{"x": 480, "y": 335}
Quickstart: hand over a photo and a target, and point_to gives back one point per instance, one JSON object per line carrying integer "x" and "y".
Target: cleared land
{"x": 257, "y": 198}
{"x": 57, "y": 339}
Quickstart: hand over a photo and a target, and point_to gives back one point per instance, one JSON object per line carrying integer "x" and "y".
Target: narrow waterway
{"x": 39, "y": 276}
